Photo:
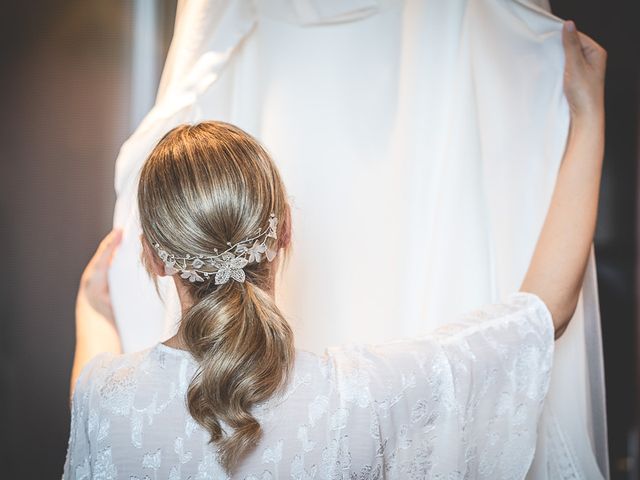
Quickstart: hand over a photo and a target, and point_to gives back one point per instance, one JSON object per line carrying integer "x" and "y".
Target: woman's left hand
{"x": 94, "y": 282}
{"x": 96, "y": 329}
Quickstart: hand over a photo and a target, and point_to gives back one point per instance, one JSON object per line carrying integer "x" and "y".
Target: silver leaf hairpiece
{"x": 226, "y": 265}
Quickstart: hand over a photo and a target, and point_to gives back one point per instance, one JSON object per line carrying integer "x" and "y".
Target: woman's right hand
{"x": 584, "y": 72}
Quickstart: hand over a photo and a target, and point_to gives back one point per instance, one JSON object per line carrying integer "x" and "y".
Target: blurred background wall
{"x": 76, "y": 78}
{"x": 614, "y": 24}
{"x": 71, "y": 94}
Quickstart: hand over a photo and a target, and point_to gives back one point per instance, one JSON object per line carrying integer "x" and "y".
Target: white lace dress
{"x": 462, "y": 402}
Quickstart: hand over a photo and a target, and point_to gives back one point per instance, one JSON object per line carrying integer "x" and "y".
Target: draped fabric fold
{"x": 419, "y": 141}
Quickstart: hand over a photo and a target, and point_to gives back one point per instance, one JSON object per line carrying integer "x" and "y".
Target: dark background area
{"x": 65, "y": 87}
{"x": 65, "y": 92}
{"x": 614, "y": 24}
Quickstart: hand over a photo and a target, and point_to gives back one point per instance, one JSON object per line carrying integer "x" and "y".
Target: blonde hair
{"x": 202, "y": 186}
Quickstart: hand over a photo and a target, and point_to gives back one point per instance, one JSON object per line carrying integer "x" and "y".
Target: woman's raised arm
{"x": 96, "y": 329}
{"x": 557, "y": 268}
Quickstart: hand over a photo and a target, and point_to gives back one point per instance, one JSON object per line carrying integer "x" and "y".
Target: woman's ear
{"x": 285, "y": 241}
{"x": 150, "y": 260}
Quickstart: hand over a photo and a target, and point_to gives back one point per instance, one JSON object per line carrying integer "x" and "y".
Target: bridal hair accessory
{"x": 228, "y": 264}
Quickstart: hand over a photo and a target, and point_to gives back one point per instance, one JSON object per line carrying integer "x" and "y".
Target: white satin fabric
{"x": 419, "y": 141}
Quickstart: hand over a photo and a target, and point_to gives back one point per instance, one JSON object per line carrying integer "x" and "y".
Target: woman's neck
{"x": 175, "y": 342}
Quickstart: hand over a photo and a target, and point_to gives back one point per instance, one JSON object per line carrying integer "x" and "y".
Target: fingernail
{"x": 571, "y": 27}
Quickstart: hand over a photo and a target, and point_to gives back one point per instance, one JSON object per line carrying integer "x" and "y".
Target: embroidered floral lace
{"x": 461, "y": 402}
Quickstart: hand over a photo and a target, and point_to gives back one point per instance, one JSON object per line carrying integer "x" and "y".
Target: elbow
{"x": 559, "y": 331}
{"x": 564, "y": 312}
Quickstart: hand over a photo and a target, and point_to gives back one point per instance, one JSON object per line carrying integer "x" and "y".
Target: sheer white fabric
{"x": 461, "y": 402}
{"x": 419, "y": 140}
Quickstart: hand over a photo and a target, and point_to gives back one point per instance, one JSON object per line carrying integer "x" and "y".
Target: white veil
{"x": 419, "y": 141}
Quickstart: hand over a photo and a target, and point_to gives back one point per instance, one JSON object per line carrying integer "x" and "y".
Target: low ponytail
{"x": 204, "y": 188}
{"x": 245, "y": 350}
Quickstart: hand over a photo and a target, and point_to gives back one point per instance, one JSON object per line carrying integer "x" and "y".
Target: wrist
{"x": 590, "y": 122}
{"x": 86, "y": 308}
{"x": 590, "y": 114}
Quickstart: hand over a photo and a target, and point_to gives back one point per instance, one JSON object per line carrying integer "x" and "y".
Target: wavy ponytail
{"x": 245, "y": 349}
{"x": 203, "y": 186}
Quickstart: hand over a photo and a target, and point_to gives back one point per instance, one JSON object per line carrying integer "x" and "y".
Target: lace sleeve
{"x": 500, "y": 358}
{"x": 464, "y": 400}
{"x": 77, "y": 465}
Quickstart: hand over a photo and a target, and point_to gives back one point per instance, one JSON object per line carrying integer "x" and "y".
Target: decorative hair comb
{"x": 225, "y": 265}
